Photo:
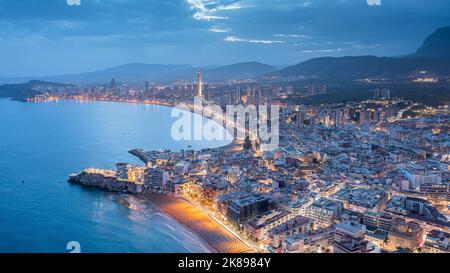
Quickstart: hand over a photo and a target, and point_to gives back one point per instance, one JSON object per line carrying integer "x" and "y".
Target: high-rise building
{"x": 200, "y": 87}
{"x": 338, "y": 118}
{"x": 113, "y": 85}
{"x": 322, "y": 89}
{"x": 247, "y": 208}
{"x": 310, "y": 89}
{"x": 364, "y": 117}
{"x": 382, "y": 94}
{"x": 300, "y": 117}
{"x": 156, "y": 178}
{"x": 130, "y": 172}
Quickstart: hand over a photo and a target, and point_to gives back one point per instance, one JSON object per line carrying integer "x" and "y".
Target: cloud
{"x": 218, "y": 30}
{"x": 237, "y": 39}
{"x": 374, "y": 2}
{"x": 342, "y": 46}
{"x": 289, "y": 5}
{"x": 291, "y": 36}
{"x": 207, "y": 9}
{"x": 322, "y": 50}
{"x": 34, "y": 31}
{"x": 73, "y": 2}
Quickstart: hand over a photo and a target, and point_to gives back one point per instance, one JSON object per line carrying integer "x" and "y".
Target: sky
{"x": 52, "y": 37}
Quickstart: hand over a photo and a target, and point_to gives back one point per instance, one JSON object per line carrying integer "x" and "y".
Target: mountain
{"x": 432, "y": 57}
{"x": 135, "y": 72}
{"x": 139, "y": 73}
{"x": 237, "y": 71}
{"x": 29, "y": 89}
{"x": 364, "y": 67}
{"x": 226, "y": 73}
{"x": 437, "y": 45}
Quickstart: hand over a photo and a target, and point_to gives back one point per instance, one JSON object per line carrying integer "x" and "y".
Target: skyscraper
{"x": 200, "y": 87}
{"x": 113, "y": 84}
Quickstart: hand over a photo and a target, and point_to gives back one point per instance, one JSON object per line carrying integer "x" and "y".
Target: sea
{"x": 42, "y": 143}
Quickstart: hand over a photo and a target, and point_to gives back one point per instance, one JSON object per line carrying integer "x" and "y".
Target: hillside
{"x": 364, "y": 67}
{"x": 437, "y": 45}
{"x": 433, "y": 56}
{"x": 26, "y": 90}
{"x": 157, "y": 73}
{"x": 238, "y": 71}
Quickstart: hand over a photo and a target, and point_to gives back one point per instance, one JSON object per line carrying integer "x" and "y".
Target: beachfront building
{"x": 156, "y": 179}
{"x": 247, "y": 208}
{"x": 258, "y": 228}
{"x": 131, "y": 173}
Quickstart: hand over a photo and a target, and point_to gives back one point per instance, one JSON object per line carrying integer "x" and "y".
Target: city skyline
{"x": 225, "y": 127}
{"x": 56, "y": 38}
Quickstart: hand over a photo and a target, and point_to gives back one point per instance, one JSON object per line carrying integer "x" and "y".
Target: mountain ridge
{"x": 158, "y": 73}
{"x": 359, "y": 67}
{"x": 436, "y": 45}
{"x": 28, "y": 89}
{"x": 433, "y": 56}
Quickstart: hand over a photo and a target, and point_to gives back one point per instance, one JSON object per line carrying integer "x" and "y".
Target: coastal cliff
{"x": 104, "y": 180}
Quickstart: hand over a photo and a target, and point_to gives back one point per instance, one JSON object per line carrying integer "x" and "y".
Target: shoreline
{"x": 216, "y": 237}
{"x": 229, "y": 147}
{"x": 112, "y": 100}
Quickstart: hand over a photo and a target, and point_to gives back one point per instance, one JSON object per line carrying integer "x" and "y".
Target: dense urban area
{"x": 353, "y": 177}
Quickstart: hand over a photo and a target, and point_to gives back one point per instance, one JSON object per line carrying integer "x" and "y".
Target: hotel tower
{"x": 200, "y": 87}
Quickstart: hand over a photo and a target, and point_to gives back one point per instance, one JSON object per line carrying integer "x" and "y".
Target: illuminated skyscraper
{"x": 200, "y": 87}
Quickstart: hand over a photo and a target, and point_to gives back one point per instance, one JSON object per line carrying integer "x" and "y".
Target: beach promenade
{"x": 198, "y": 221}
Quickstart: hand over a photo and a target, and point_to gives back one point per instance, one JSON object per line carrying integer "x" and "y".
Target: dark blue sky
{"x": 46, "y": 37}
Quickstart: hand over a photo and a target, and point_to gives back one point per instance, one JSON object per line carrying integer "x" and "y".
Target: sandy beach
{"x": 199, "y": 222}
